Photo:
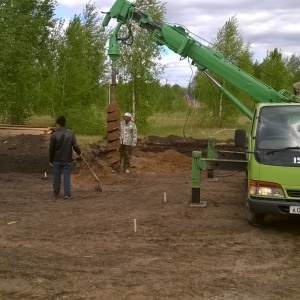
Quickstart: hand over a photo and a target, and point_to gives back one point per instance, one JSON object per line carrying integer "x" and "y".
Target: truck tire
{"x": 240, "y": 138}
{"x": 255, "y": 219}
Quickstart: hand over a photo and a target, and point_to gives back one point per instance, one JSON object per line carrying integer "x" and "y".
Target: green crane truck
{"x": 272, "y": 161}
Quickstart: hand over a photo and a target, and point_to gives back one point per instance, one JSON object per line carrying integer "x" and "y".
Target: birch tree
{"x": 25, "y": 28}
{"x": 139, "y": 66}
{"x": 215, "y": 106}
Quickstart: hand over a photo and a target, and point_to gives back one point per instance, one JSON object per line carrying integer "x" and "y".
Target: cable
{"x": 190, "y": 109}
{"x": 192, "y": 75}
{"x": 188, "y": 115}
{"x": 176, "y": 24}
{"x": 129, "y": 36}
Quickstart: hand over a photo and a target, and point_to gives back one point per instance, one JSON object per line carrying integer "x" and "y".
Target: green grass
{"x": 162, "y": 124}
{"x": 87, "y": 139}
{"x": 180, "y": 123}
{"x": 41, "y": 121}
{"x": 48, "y": 121}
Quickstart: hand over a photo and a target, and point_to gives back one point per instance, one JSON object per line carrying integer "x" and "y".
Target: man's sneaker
{"x": 55, "y": 195}
{"x": 67, "y": 197}
{"x": 127, "y": 171}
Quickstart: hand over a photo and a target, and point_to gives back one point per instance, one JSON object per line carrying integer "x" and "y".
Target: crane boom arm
{"x": 177, "y": 38}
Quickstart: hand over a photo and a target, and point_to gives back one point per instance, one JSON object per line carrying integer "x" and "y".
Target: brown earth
{"x": 86, "y": 248}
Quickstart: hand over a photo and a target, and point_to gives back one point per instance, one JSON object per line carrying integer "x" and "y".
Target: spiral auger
{"x": 113, "y": 135}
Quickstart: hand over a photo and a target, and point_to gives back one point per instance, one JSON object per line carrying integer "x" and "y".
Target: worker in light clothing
{"x": 128, "y": 141}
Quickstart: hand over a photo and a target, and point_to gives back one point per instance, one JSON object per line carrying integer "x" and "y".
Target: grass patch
{"x": 85, "y": 140}
{"x": 48, "y": 121}
{"x": 180, "y": 123}
{"x": 41, "y": 121}
{"x": 160, "y": 124}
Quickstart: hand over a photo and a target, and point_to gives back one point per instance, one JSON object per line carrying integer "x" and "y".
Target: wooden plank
{"x": 11, "y": 130}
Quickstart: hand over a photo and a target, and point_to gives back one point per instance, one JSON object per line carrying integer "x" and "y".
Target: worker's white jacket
{"x": 128, "y": 133}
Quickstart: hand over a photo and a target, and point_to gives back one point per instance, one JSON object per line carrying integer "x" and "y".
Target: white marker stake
{"x": 165, "y": 197}
{"x": 45, "y": 174}
{"x": 134, "y": 225}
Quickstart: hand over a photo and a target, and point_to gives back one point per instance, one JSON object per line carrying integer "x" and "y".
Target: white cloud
{"x": 265, "y": 25}
{"x": 72, "y": 3}
{"x": 177, "y": 71}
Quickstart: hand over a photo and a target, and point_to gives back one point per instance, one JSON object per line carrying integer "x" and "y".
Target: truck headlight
{"x": 266, "y": 189}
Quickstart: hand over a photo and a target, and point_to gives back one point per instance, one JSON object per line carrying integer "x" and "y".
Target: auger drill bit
{"x": 113, "y": 111}
{"x": 113, "y": 136}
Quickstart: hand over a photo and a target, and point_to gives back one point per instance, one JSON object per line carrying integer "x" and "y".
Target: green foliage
{"x": 229, "y": 41}
{"x": 86, "y": 120}
{"x": 273, "y": 71}
{"x": 24, "y": 35}
{"x": 216, "y": 109}
{"x": 47, "y": 68}
{"x": 139, "y": 68}
{"x": 171, "y": 98}
{"x": 245, "y": 63}
{"x": 80, "y": 64}
{"x": 154, "y": 98}
{"x": 186, "y": 124}
{"x": 293, "y": 65}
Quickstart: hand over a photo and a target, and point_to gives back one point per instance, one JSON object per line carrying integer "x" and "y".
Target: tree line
{"x": 51, "y": 67}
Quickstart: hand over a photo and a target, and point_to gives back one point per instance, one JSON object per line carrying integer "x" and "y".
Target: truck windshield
{"x": 278, "y": 127}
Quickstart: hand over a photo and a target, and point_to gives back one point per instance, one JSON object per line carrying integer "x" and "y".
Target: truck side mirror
{"x": 240, "y": 138}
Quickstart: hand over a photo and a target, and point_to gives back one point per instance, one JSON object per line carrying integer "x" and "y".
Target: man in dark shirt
{"x": 62, "y": 144}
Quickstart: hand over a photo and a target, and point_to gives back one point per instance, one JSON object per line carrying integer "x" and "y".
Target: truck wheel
{"x": 253, "y": 218}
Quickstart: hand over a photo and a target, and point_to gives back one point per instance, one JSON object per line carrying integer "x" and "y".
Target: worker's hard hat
{"x": 128, "y": 115}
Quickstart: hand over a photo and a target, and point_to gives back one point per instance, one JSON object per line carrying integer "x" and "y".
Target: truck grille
{"x": 293, "y": 194}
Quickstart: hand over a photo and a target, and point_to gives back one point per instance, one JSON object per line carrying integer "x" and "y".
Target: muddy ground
{"x": 86, "y": 248}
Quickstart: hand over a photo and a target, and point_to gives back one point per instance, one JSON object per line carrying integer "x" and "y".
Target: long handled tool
{"x": 98, "y": 186}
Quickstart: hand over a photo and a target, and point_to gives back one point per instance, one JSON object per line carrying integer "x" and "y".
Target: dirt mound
{"x": 24, "y": 153}
{"x": 183, "y": 145}
{"x": 84, "y": 176}
{"x": 29, "y": 153}
{"x": 169, "y": 161}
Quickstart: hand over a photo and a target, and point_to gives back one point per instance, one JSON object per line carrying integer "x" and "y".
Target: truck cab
{"x": 274, "y": 162}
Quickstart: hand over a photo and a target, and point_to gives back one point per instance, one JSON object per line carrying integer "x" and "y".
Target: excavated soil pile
{"x": 158, "y": 144}
{"x": 24, "y": 153}
{"x": 180, "y": 144}
{"x": 169, "y": 161}
{"x": 96, "y": 158}
{"x": 153, "y": 155}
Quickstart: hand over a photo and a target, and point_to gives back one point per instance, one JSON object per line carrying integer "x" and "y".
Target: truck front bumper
{"x": 264, "y": 206}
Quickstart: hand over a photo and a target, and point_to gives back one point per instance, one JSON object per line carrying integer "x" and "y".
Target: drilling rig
{"x": 272, "y": 161}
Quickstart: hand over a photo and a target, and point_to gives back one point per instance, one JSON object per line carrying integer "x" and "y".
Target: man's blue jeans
{"x": 64, "y": 169}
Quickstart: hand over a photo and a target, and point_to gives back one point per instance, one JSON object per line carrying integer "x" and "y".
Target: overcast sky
{"x": 266, "y": 24}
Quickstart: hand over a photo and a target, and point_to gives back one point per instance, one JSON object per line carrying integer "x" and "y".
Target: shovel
{"x": 98, "y": 187}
